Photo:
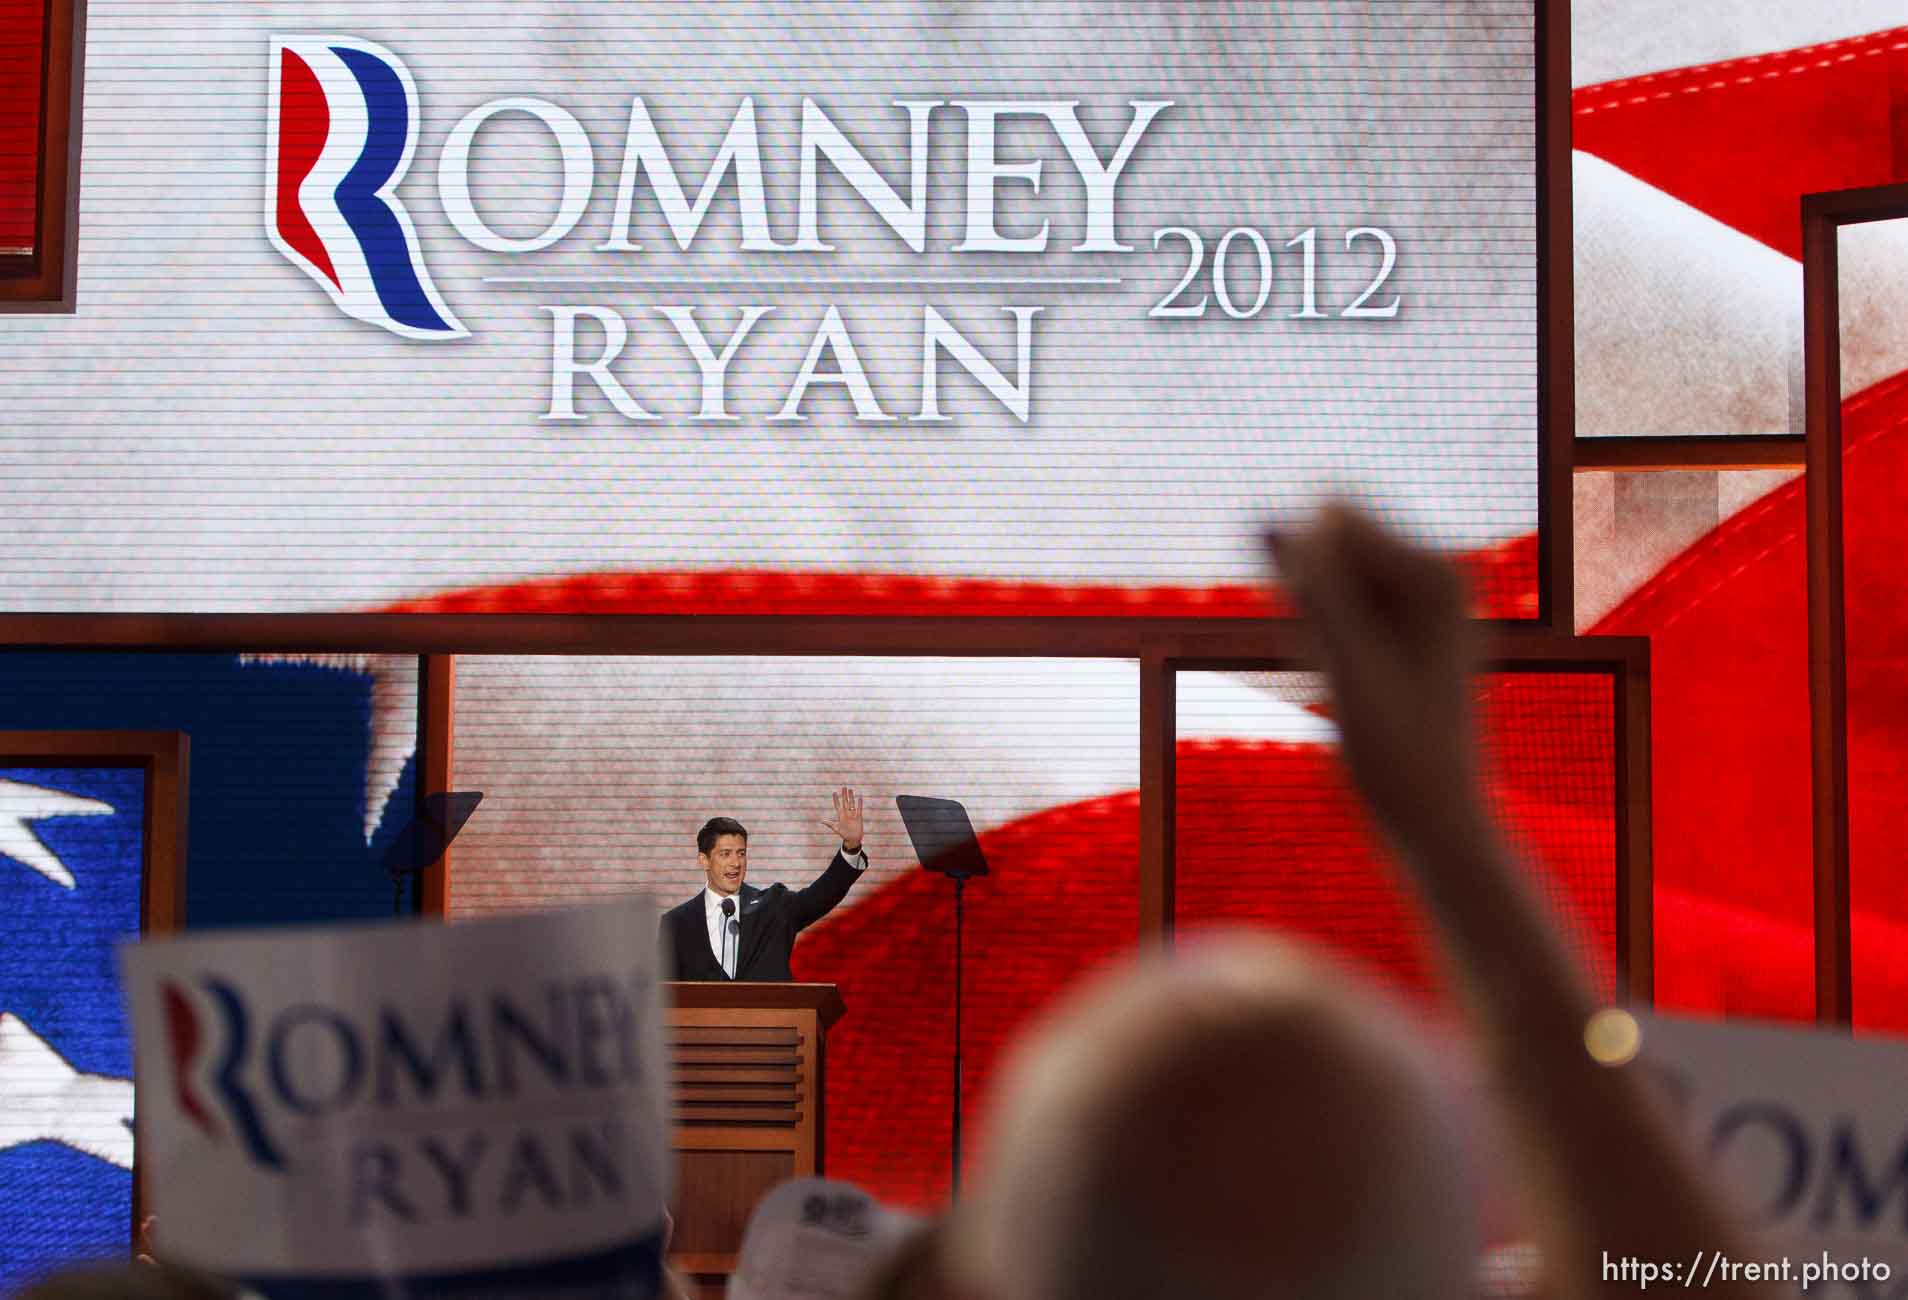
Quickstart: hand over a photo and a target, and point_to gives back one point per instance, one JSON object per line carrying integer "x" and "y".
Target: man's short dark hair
{"x": 719, "y": 826}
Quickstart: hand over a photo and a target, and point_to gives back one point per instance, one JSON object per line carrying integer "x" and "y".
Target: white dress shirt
{"x": 712, "y": 913}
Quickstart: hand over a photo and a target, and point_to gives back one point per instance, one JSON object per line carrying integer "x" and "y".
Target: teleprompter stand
{"x": 944, "y": 842}
{"x": 424, "y": 838}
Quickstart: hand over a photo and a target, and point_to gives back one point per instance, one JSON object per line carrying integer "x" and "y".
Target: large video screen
{"x": 552, "y": 306}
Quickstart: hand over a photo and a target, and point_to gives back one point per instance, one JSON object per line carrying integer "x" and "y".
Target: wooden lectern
{"x": 746, "y": 1108}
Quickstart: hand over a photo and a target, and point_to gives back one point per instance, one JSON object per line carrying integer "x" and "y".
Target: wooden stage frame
{"x": 1823, "y": 216}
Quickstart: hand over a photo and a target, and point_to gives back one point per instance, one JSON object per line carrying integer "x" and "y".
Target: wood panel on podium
{"x": 746, "y": 1107}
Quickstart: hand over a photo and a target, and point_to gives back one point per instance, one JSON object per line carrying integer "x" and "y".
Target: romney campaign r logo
{"x": 342, "y": 127}
{"x": 185, "y": 1036}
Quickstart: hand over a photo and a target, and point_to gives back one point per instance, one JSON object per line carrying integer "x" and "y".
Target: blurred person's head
{"x": 1235, "y": 1122}
{"x": 722, "y": 851}
{"x": 817, "y": 1239}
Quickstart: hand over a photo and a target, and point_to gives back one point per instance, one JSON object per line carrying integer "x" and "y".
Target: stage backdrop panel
{"x": 1709, "y": 566}
{"x": 1269, "y": 832}
{"x": 384, "y": 302}
{"x": 1874, "y": 493}
{"x": 1629, "y": 526}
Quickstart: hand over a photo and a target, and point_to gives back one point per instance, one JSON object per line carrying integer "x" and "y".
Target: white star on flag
{"x": 44, "y": 1099}
{"x": 21, "y": 803}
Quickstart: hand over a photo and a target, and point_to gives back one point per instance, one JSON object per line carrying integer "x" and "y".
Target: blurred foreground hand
{"x": 1389, "y": 626}
{"x": 1596, "y": 1165}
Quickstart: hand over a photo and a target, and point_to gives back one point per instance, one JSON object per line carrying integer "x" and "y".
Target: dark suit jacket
{"x": 771, "y": 918}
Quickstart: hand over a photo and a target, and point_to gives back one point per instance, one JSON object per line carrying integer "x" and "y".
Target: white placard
{"x": 1808, "y": 1131}
{"x": 455, "y": 1108}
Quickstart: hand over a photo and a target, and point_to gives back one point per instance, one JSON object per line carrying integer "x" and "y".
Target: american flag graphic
{"x": 70, "y": 858}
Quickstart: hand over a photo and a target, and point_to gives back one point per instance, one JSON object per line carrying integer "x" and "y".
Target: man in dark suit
{"x": 734, "y": 931}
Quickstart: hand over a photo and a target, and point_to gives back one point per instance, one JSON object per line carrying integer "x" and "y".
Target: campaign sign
{"x": 1808, "y": 1131}
{"x": 408, "y": 1109}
